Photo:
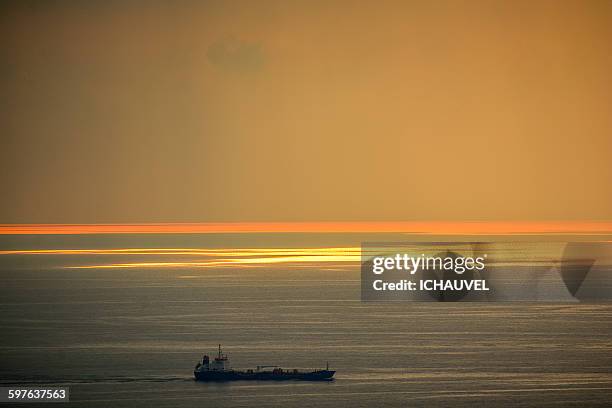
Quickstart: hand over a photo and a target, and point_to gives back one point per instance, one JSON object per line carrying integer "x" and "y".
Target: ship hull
{"x": 235, "y": 375}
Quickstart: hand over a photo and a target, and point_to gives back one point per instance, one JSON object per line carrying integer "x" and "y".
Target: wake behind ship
{"x": 219, "y": 370}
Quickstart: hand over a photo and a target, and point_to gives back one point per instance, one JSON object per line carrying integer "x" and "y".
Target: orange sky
{"x": 234, "y": 111}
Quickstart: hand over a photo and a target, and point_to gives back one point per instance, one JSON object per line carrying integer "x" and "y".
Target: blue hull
{"x": 233, "y": 375}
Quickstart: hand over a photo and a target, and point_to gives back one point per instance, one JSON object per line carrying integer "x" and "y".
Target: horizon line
{"x": 414, "y": 227}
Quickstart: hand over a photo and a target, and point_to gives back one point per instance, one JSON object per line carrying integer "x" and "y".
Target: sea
{"x": 123, "y": 320}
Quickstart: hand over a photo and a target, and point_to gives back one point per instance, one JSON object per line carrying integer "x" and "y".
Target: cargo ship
{"x": 218, "y": 369}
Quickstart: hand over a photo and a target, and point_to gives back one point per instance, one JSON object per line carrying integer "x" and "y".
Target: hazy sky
{"x": 114, "y": 111}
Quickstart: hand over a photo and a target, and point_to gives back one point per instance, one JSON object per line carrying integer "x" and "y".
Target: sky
{"x": 216, "y": 111}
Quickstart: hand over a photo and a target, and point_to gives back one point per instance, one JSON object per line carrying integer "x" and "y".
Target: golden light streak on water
{"x": 317, "y": 259}
{"x": 413, "y": 227}
{"x": 191, "y": 251}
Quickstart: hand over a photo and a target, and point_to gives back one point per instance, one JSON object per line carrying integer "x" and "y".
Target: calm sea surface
{"x": 130, "y": 337}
